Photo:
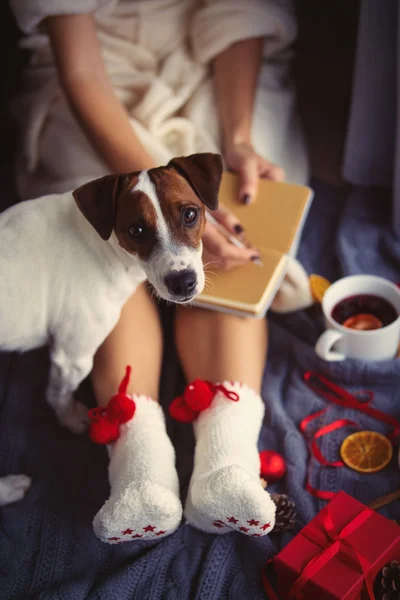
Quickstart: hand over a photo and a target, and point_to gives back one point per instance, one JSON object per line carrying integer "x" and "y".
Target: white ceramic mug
{"x": 339, "y": 342}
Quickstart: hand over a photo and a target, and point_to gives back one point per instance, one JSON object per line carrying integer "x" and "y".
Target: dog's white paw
{"x": 13, "y": 488}
{"x": 75, "y": 418}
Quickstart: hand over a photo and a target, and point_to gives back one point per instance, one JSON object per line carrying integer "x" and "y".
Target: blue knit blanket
{"x": 47, "y": 547}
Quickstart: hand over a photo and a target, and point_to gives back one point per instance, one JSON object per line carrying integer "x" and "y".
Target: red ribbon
{"x": 339, "y": 543}
{"x": 197, "y": 397}
{"x": 105, "y": 421}
{"x": 316, "y": 452}
{"x": 267, "y": 586}
{"x": 334, "y": 393}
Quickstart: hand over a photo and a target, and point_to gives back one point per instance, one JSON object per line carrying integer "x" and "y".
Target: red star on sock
{"x": 137, "y": 535}
{"x": 113, "y": 539}
{"x": 149, "y": 528}
{"x": 128, "y": 531}
{"x": 216, "y": 524}
{"x": 265, "y": 526}
{"x": 232, "y": 520}
{"x": 160, "y": 532}
{"x": 243, "y": 529}
{"x": 253, "y": 522}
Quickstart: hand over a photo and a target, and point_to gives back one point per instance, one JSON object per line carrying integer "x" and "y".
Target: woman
{"x": 124, "y": 86}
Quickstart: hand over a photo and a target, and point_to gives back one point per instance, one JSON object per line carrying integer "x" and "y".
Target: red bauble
{"x": 198, "y": 395}
{"x": 121, "y": 408}
{"x": 273, "y": 465}
{"x": 103, "y": 431}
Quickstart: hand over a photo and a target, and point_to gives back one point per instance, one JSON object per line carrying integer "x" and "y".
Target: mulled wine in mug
{"x": 361, "y": 318}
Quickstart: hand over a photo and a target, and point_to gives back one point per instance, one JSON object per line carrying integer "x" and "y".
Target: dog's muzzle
{"x": 181, "y": 285}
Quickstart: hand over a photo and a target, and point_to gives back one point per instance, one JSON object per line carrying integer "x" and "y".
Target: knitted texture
{"x": 144, "y": 501}
{"x": 225, "y": 491}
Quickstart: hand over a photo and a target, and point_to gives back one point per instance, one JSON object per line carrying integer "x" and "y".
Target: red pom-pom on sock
{"x": 180, "y": 411}
{"x": 198, "y": 395}
{"x": 121, "y": 408}
{"x": 106, "y": 421}
{"x": 103, "y": 431}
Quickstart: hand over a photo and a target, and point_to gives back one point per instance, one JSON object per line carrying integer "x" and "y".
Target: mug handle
{"x": 325, "y": 343}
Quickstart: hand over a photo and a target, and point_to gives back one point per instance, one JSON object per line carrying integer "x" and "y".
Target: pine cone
{"x": 285, "y": 516}
{"x": 387, "y": 583}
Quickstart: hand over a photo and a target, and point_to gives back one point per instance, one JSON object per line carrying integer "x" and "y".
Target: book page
{"x": 276, "y": 216}
{"x": 273, "y": 224}
{"x": 246, "y": 288}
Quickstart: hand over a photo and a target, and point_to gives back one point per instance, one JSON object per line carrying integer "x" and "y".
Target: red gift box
{"x": 338, "y": 554}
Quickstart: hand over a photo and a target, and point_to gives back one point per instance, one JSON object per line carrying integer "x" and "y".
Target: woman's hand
{"x": 218, "y": 252}
{"x": 243, "y": 160}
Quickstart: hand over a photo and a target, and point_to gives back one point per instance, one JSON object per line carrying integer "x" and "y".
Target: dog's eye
{"x": 190, "y": 215}
{"x": 136, "y": 230}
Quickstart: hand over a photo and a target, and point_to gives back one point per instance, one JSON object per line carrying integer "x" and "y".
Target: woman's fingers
{"x": 272, "y": 172}
{"x": 223, "y": 254}
{"x": 228, "y": 220}
{"x": 249, "y": 174}
{"x": 250, "y": 166}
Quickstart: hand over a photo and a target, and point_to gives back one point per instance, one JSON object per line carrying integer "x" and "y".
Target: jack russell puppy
{"x": 69, "y": 262}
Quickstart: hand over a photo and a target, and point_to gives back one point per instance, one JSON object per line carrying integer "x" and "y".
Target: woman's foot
{"x": 144, "y": 511}
{"x": 225, "y": 492}
{"x": 144, "y": 501}
{"x": 230, "y": 498}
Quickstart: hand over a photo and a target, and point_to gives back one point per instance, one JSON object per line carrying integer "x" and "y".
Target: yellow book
{"x": 273, "y": 224}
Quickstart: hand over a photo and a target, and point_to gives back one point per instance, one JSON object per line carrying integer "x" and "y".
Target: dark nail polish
{"x": 256, "y": 257}
{"x": 246, "y": 199}
{"x": 238, "y": 229}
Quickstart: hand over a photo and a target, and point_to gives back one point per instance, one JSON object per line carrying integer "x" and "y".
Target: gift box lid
{"x": 377, "y": 540}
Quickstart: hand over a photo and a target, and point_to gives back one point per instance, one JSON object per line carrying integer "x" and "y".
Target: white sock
{"x": 294, "y": 292}
{"x": 225, "y": 491}
{"x": 144, "y": 501}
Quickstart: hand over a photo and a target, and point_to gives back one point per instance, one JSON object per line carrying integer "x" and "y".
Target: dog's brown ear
{"x": 97, "y": 201}
{"x": 203, "y": 172}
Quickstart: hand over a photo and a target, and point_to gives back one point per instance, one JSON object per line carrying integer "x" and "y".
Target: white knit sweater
{"x": 157, "y": 54}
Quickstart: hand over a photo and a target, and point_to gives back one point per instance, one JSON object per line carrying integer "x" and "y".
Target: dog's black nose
{"x": 181, "y": 284}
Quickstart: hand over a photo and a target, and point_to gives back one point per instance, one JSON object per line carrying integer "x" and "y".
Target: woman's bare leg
{"x": 218, "y": 346}
{"x": 135, "y": 341}
{"x": 144, "y": 499}
{"x": 225, "y": 491}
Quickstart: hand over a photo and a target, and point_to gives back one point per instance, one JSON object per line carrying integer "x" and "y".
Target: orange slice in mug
{"x": 363, "y": 322}
{"x": 366, "y": 451}
{"x": 318, "y": 286}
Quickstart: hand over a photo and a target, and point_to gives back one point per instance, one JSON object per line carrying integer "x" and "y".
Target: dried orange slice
{"x": 318, "y": 286}
{"x": 366, "y": 451}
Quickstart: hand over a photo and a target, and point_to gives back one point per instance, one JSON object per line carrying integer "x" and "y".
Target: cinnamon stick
{"x": 384, "y": 500}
